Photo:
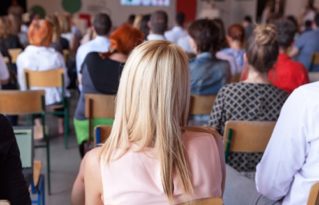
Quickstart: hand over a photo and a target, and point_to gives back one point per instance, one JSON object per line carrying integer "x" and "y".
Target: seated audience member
{"x": 13, "y": 186}
{"x": 102, "y": 25}
{"x": 236, "y": 40}
{"x": 306, "y": 45}
{"x": 15, "y": 30}
{"x": 248, "y": 26}
{"x": 7, "y": 40}
{"x": 130, "y": 19}
{"x": 167, "y": 163}
{"x": 59, "y": 43}
{"x": 254, "y": 98}
{"x": 144, "y": 27}
{"x": 178, "y": 30}
{"x": 101, "y": 74}
{"x": 158, "y": 25}
{"x": 288, "y": 167}
{"x": 287, "y": 74}
{"x": 307, "y": 26}
{"x": 39, "y": 56}
{"x": 4, "y": 73}
{"x": 208, "y": 74}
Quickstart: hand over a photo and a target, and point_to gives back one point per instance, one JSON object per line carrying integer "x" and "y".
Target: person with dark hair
{"x": 13, "y": 186}
{"x": 254, "y": 98}
{"x": 306, "y": 45}
{"x": 130, "y": 19}
{"x": 208, "y": 74}
{"x": 293, "y": 20}
{"x": 178, "y": 30}
{"x": 307, "y": 26}
{"x": 144, "y": 27}
{"x": 287, "y": 74}
{"x": 236, "y": 40}
{"x": 102, "y": 25}
{"x": 248, "y": 26}
{"x": 158, "y": 25}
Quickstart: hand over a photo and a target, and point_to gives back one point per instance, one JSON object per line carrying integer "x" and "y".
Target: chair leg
{"x": 43, "y": 190}
{"x": 66, "y": 125}
{"x": 48, "y": 166}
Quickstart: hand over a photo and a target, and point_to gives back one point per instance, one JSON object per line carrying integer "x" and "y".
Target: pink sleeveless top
{"x": 135, "y": 177}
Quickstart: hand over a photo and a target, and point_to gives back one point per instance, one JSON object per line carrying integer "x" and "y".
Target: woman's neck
{"x": 256, "y": 77}
{"x": 235, "y": 45}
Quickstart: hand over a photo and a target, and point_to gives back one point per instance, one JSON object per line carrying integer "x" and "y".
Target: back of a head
{"x": 40, "y": 33}
{"x": 56, "y": 33}
{"x": 262, "y": 49}
{"x": 158, "y": 22}
{"x": 237, "y": 33}
{"x": 152, "y": 107}
{"x": 144, "y": 27}
{"x": 102, "y": 24}
{"x": 180, "y": 18}
{"x": 64, "y": 22}
{"x": 285, "y": 33}
{"x": 130, "y": 19}
{"x": 317, "y": 19}
{"x": 222, "y": 42}
{"x": 205, "y": 34}
{"x": 248, "y": 19}
{"x": 125, "y": 38}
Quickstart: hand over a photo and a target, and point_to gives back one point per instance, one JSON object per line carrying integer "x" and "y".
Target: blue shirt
{"x": 308, "y": 44}
{"x": 208, "y": 74}
{"x": 238, "y": 55}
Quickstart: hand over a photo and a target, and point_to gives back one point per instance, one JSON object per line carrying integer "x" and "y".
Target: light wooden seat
{"x": 102, "y": 132}
{"x": 14, "y": 52}
{"x": 52, "y": 78}
{"x": 207, "y": 201}
{"x": 201, "y": 104}
{"x": 98, "y": 106}
{"x": 247, "y": 136}
{"x": 4, "y": 202}
{"x": 313, "y": 198}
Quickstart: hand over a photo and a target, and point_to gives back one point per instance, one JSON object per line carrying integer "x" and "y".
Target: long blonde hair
{"x": 151, "y": 109}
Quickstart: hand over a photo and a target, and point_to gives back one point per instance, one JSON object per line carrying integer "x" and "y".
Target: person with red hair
{"x": 101, "y": 74}
{"x": 39, "y": 56}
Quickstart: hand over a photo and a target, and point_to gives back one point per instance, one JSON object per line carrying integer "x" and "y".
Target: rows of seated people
{"x": 150, "y": 156}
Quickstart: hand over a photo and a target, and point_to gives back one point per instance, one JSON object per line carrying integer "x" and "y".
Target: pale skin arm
{"x": 87, "y": 188}
{"x": 294, "y": 51}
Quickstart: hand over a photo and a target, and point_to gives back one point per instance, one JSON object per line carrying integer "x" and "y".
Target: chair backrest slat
{"x": 201, "y": 104}
{"x": 248, "y": 136}
{"x": 16, "y": 102}
{"x": 99, "y": 106}
{"x": 24, "y": 137}
{"x": 46, "y": 78}
{"x": 313, "y": 198}
{"x": 102, "y": 132}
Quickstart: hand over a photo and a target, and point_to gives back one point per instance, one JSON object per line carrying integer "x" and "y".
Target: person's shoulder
{"x": 310, "y": 90}
{"x": 92, "y": 158}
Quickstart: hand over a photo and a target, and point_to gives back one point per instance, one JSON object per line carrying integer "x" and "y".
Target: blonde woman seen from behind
{"x": 149, "y": 157}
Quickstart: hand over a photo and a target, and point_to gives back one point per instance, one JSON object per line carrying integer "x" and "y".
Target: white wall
{"x": 117, "y": 12}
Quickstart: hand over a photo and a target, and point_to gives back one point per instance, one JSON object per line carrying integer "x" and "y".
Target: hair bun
{"x": 265, "y": 34}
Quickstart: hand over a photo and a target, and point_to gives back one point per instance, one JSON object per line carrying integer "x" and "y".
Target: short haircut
{"x": 248, "y": 19}
{"x": 102, "y": 24}
{"x": 262, "y": 49}
{"x": 317, "y": 19}
{"x": 131, "y": 18}
{"x": 237, "y": 33}
{"x": 158, "y": 22}
{"x": 180, "y": 18}
{"x": 286, "y": 31}
{"x": 205, "y": 34}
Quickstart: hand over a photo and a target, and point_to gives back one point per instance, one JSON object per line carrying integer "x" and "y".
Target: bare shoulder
{"x": 91, "y": 159}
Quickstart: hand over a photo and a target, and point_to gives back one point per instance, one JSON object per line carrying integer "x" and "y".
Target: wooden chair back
{"x": 14, "y": 102}
{"x": 313, "y": 198}
{"x": 101, "y": 133}
{"x": 201, "y": 104}
{"x": 14, "y": 52}
{"x": 98, "y": 106}
{"x": 207, "y": 201}
{"x": 47, "y": 78}
{"x": 315, "y": 59}
{"x": 247, "y": 136}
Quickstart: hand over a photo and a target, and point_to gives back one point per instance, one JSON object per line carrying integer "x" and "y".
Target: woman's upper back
{"x": 135, "y": 177}
{"x": 247, "y": 101}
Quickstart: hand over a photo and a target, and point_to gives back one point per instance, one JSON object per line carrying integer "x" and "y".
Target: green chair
{"x": 52, "y": 78}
